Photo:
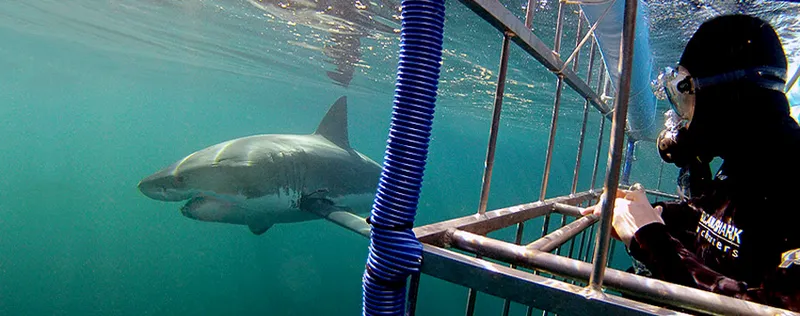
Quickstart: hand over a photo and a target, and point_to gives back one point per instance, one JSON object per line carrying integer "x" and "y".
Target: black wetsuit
{"x": 730, "y": 237}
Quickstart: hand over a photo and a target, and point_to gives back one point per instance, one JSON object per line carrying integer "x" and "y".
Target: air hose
{"x": 394, "y": 251}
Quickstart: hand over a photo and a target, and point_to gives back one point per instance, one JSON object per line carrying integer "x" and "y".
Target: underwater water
{"x": 96, "y": 95}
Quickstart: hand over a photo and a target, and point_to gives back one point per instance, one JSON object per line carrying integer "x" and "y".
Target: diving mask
{"x": 680, "y": 87}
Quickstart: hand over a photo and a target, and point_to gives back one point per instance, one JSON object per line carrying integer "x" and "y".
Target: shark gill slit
{"x": 222, "y": 150}
{"x": 178, "y": 166}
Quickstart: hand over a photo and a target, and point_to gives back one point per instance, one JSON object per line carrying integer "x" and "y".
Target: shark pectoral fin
{"x": 339, "y": 215}
{"x": 347, "y": 219}
{"x": 260, "y": 228}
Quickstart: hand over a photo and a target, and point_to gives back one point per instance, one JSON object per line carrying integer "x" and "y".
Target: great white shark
{"x": 262, "y": 180}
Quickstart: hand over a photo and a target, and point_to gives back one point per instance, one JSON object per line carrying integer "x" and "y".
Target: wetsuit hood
{"x": 726, "y": 113}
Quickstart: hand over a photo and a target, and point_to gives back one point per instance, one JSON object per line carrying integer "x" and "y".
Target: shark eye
{"x": 178, "y": 180}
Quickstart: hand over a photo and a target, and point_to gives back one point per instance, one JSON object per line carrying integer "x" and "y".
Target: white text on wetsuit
{"x": 724, "y": 236}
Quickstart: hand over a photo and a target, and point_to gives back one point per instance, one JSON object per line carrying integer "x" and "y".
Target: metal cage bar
{"x": 490, "y": 151}
{"x": 413, "y": 293}
{"x": 585, "y": 119}
{"x": 601, "y": 84}
{"x": 664, "y": 292}
{"x": 603, "y": 237}
{"x": 498, "y": 106}
{"x": 550, "y": 294}
{"x": 504, "y": 20}
{"x": 582, "y": 136}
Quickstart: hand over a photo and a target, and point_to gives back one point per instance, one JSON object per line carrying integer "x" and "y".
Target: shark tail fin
{"x": 334, "y": 125}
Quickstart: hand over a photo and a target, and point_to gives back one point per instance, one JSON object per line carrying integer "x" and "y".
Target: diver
{"x": 737, "y": 233}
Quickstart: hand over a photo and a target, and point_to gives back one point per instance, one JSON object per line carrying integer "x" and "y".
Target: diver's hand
{"x": 632, "y": 211}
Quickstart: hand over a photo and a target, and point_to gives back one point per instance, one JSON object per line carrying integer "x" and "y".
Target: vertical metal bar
{"x": 660, "y": 175}
{"x": 553, "y": 121}
{"x": 572, "y": 241}
{"x": 559, "y": 28}
{"x": 583, "y": 125}
{"x": 498, "y": 106}
{"x": 590, "y": 233}
{"x": 507, "y": 307}
{"x": 628, "y": 165}
{"x": 600, "y": 87}
{"x": 490, "y": 152}
{"x": 601, "y": 79}
{"x": 615, "y": 158}
{"x": 580, "y": 248}
{"x": 413, "y": 294}
{"x": 561, "y": 224}
{"x": 583, "y": 255}
{"x": 611, "y": 252}
{"x": 589, "y": 245}
{"x": 553, "y": 129}
{"x": 517, "y": 241}
{"x": 549, "y": 153}
{"x": 529, "y": 14}
{"x": 578, "y": 31}
{"x": 597, "y": 153}
{"x": 583, "y": 122}
{"x": 471, "y": 302}
{"x": 521, "y": 225}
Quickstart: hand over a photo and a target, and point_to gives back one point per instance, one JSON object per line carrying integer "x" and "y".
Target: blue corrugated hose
{"x": 394, "y": 252}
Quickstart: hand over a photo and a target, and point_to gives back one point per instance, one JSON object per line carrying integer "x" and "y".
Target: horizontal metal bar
{"x": 566, "y": 209}
{"x": 575, "y": 211}
{"x": 662, "y": 194}
{"x": 652, "y": 289}
{"x": 562, "y": 235}
{"x": 496, "y": 219}
{"x": 503, "y": 20}
{"x": 528, "y": 289}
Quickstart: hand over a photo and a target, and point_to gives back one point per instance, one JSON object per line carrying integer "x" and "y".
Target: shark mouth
{"x": 193, "y": 205}
{"x": 212, "y": 209}
{"x": 205, "y": 205}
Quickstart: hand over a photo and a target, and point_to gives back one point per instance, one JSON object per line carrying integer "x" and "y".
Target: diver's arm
{"x": 668, "y": 260}
{"x": 680, "y": 219}
{"x": 678, "y": 214}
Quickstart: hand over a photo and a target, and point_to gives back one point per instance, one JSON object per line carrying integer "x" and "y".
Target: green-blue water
{"x": 95, "y": 96}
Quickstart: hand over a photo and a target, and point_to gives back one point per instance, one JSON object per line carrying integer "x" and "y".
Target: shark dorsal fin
{"x": 334, "y": 125}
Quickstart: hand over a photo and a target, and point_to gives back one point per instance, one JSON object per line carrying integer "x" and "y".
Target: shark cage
{"x": 458, "y": 250}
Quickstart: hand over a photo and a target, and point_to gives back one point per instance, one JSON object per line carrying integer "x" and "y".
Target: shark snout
{"x": 152, "y": 192}
{"x": 161, "y": 188}
{"x": 156, "y": 193}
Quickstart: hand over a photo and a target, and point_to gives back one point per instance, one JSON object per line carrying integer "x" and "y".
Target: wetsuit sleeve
{"x": 668, "y": 260}
{"x": 679, "y": 217}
